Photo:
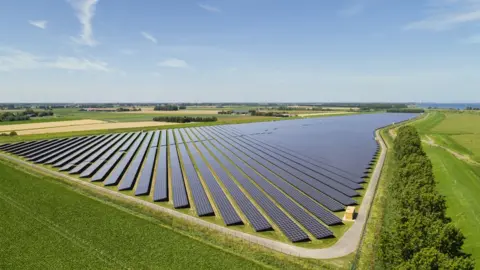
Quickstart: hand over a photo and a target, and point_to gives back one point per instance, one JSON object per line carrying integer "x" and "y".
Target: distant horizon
{"x": 236, "y": 102}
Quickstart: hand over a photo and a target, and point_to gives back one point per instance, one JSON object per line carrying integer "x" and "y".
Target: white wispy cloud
{"x": 85, "y": 11}
{"x": 13, "y": 59}
{"x": 148, "y": 36}
{"x": 209, "y": 8}
{"x": 174, "y": 63}
{"x": 447, "y": 14}
{"x": 352, "y": 10}
{"x": 40, "y": 24}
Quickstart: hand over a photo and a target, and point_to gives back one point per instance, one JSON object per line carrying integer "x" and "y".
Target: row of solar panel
{"x": 285, "y": 189}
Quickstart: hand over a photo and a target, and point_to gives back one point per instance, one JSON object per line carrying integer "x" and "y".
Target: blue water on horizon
{"x": 456, "y": 106}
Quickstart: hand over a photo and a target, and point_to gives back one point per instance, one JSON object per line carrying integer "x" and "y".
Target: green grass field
{"x": 458, "y": 180}
{"x": 52, "y": 223}
{"x": 46, "y": 225}
{"x": 459, "y": 131}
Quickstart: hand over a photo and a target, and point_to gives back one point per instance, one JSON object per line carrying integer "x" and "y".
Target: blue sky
{"x": 239, "y": 50}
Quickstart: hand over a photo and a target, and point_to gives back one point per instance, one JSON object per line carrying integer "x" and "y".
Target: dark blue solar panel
{"x": 133, "y": 170}
{"x": 43, "y": 157}
{"x": 160, "y": 190}
{"x": 293, "y": 169}
{"x": 171, "y": 140}
{"x": 200, "y": 199}
{"x": 254, "y": 216}
{"x": 79, "y": 147}
{"x": 265, "y": 168}
{"x": 144, "y": 182}
{"x": 120, "y": 169}
{"x": 180, "y": 199}
{"x": 80, "y": 155}
{"x": 286, "y": 225}
{"x": 178, "y": 137}
{"x": 34, "y": 151}
{"x": 227, "y": 211}
{"x": 322, "y": 172}
{"x": 106, "y": 152}
{"x": 25, "y": 147}
{"x": 307, "y": 221}
{"x": 163, "y": 138}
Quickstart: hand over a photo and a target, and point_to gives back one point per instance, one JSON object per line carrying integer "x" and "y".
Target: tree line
{"x": 169, "y": 107}
{"x": 416, "y": 232}
{"x": 272, "y": 114}
{"x": 184, "y": 119}
{"x": 23, "y": 116}
{"x": 406, "y": 110}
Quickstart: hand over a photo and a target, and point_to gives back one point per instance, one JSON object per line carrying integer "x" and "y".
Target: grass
{"x": 53, "y": 224}
{"x": 458, "y": 131}
{"x": 50, "y": 226}
{"x": 458, "y": 180}
{"x": 368, "y": 248}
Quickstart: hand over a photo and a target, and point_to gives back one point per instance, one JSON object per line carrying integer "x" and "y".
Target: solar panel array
{"x": 282, "y": 176}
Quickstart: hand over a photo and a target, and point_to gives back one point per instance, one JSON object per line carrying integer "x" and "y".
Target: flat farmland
{"x": 51, "y": 225}
{"x": 264, "y": 179}
{"x": 75, "y": 125}
{"x": 33, "y": 126}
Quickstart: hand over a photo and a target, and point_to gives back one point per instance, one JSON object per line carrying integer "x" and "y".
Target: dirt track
{"x": 102, "y": 126}
{"x": 20, "y": 127}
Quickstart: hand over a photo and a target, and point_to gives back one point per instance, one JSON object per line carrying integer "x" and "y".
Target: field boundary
{"x": 346, "y": 245}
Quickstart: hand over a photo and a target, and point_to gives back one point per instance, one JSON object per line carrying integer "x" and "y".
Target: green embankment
{"x": 458, "y": 180}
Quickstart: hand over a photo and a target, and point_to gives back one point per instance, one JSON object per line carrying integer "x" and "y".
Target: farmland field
{"x": 45, "y": 224}
{"x": 235, "y": 174}
{"x": 457, "y": 135}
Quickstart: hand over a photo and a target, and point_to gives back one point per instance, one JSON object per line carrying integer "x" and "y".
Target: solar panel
{"x": 163, "y": 141}
{"x": 119, "y": 170}
{"x": 300, "y": 215}
{"x": 107, "y": 168}
{"x": 80, "y": 155}
{"x": 155, "y": 139}
{"x": 105, "y": 153}
{"x": 84, "y": 144}
{"x": 24, "y": 147}
{"x": 255, "y": 218}
{"x": 160, "y": 190}
{"x": 286, "y": 225}
{"x": 186, "y": 139}
{"x": 322, "y": 165}
{"x": 324, "y": 175}
{"x": 227, "y": 211}
{"x": 34, "y": 151}
{"x": 265, "y": 168}
{"x": 200, "y": 199}
{"x": 144, "y": 182}
{"x": 337, "y": 193}
{"x": 178, "y": 138}
{"x": 43, "y": 157}
{"x": 171, "y": 140}
{"x": 180, "y": 199}
{"x": 16, "y": 146}
{"x": 131, "y": 174}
